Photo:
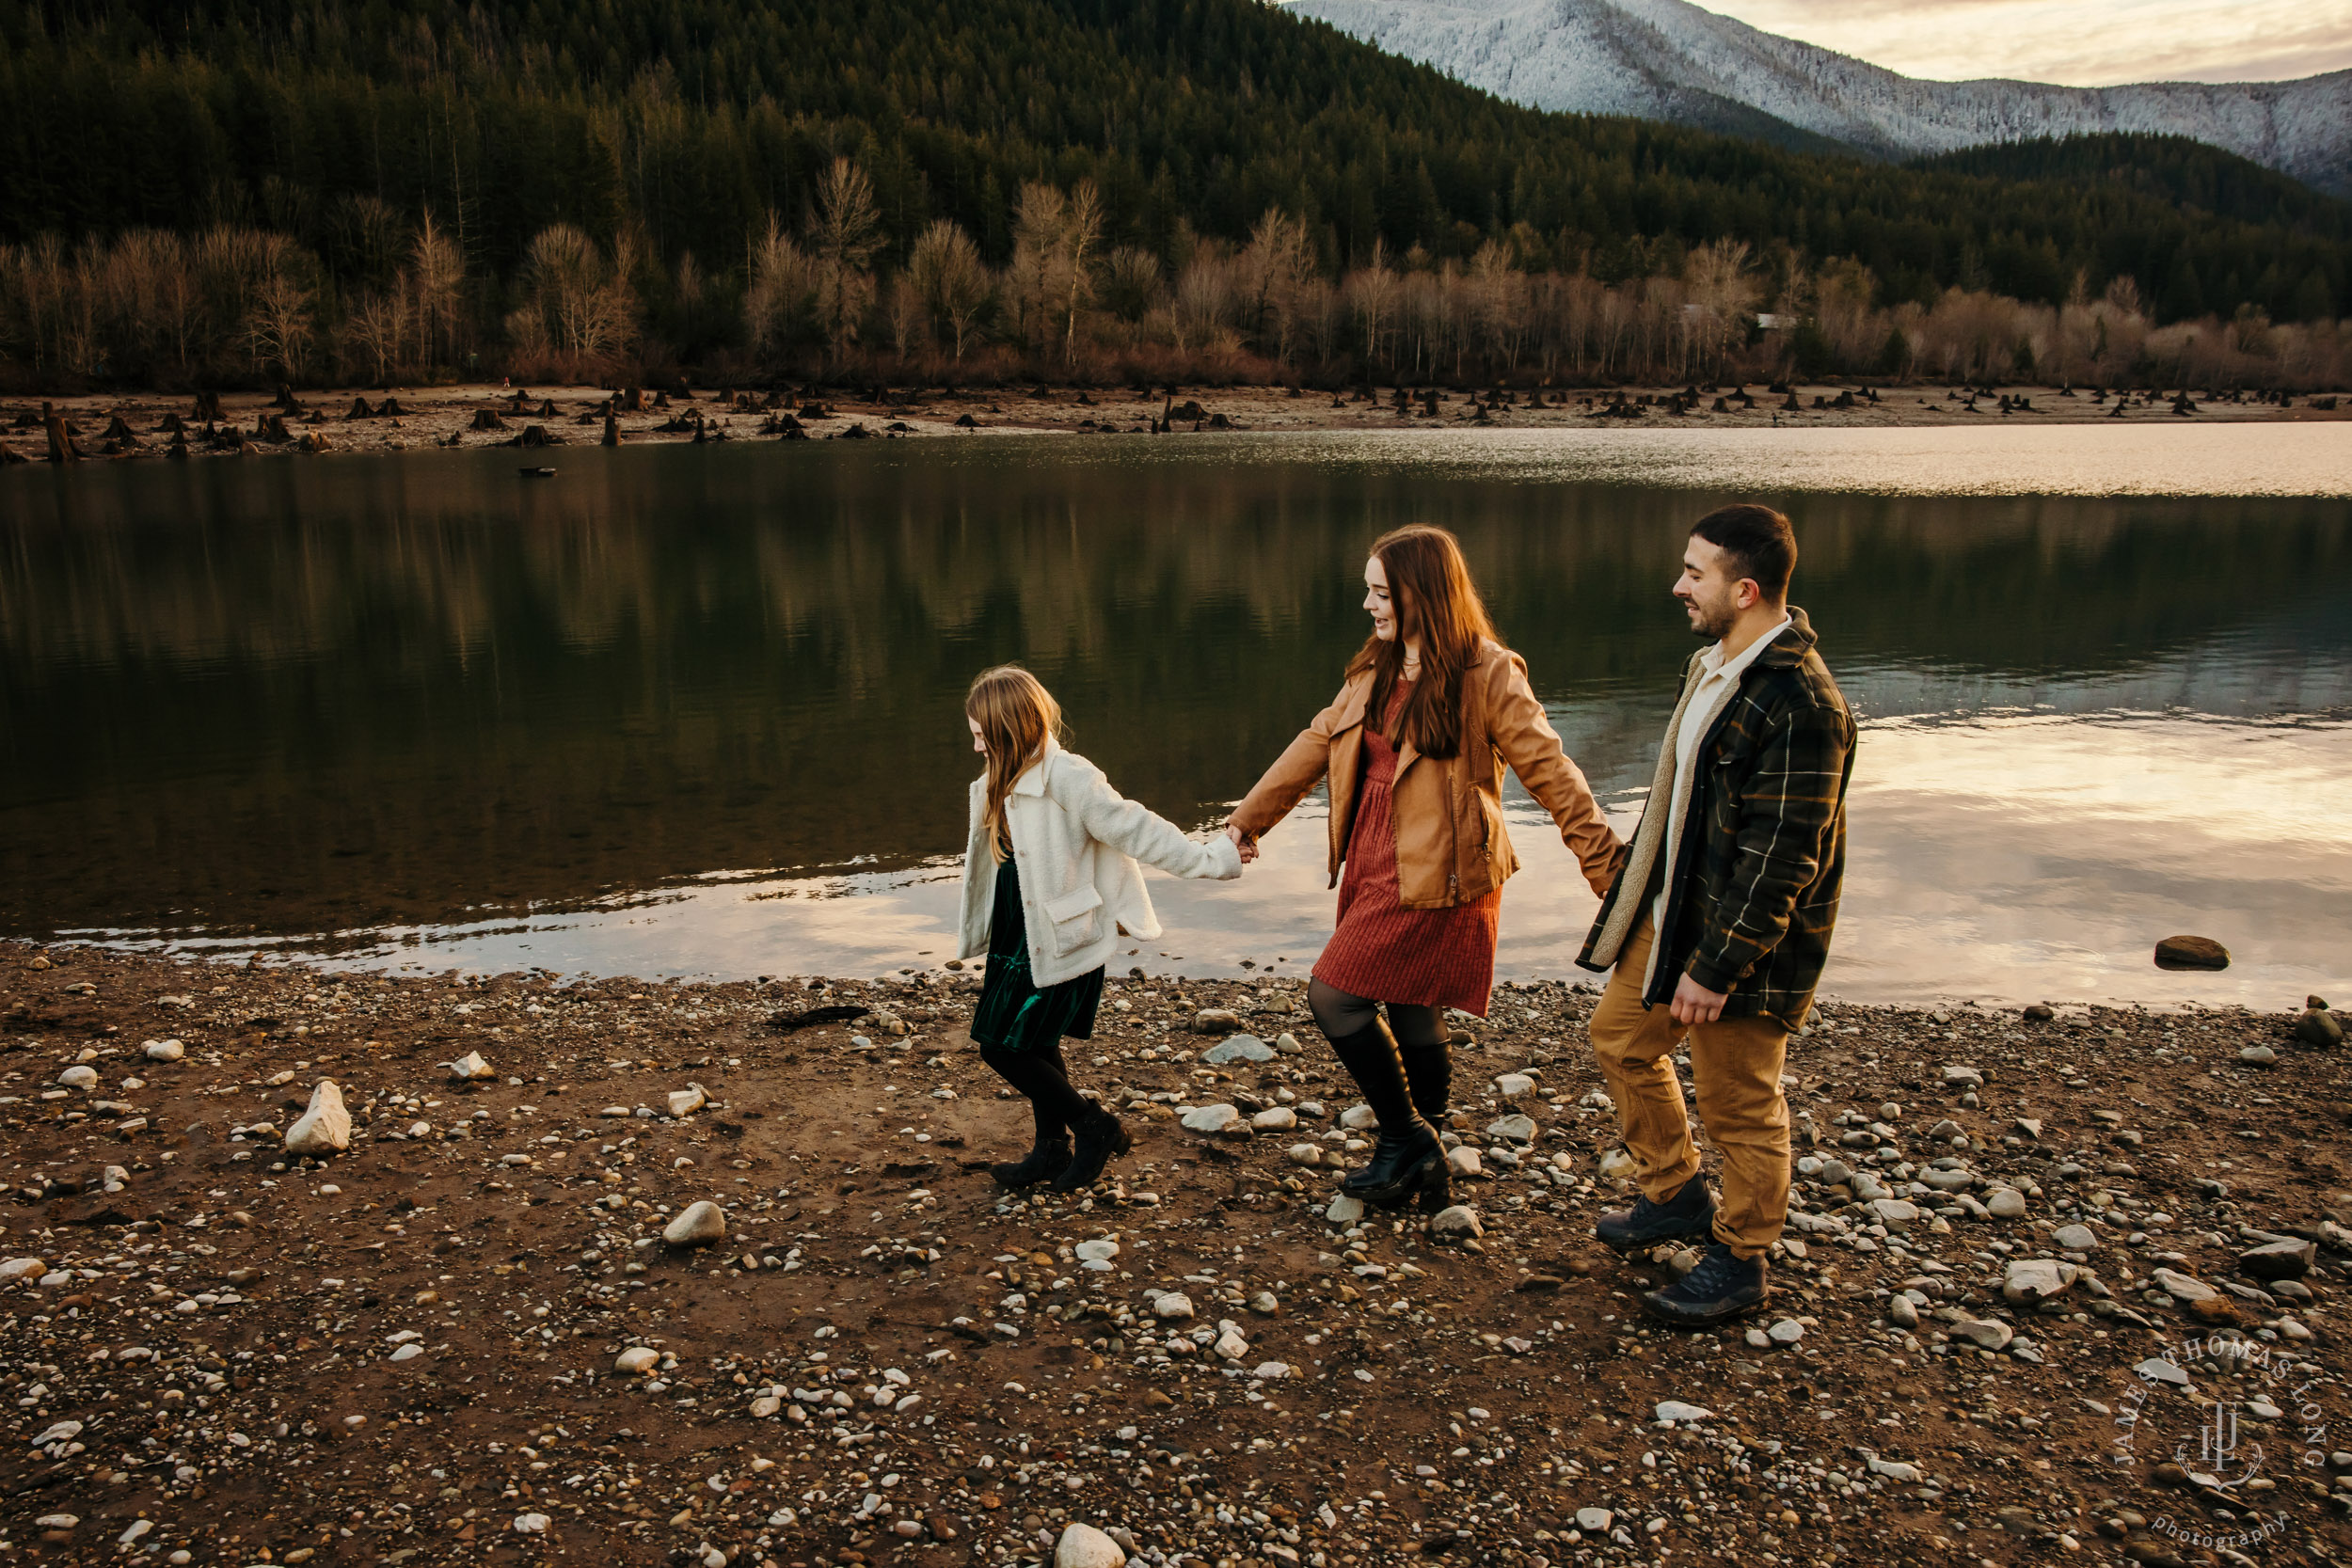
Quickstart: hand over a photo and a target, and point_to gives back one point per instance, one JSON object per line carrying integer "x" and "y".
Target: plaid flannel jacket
{"x": 1756, "y": 874}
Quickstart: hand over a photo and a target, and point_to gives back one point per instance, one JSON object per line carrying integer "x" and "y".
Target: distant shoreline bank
{"x": 122, "y": 427}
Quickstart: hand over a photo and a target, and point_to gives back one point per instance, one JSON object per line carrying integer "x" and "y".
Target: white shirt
{"x": 1717, "y": 674}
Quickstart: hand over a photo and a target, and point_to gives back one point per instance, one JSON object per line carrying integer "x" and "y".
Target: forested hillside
{"x": 451, "y": 164}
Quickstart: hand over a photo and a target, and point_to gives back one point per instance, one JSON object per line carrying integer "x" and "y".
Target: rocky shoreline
{"x": 619, "y": 1271}
{"x": 536, "y": 421}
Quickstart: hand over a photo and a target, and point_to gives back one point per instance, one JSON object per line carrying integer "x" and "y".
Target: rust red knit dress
{"x": 1382, "y": 950}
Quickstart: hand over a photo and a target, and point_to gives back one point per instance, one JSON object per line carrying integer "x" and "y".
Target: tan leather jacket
{"x": 1450, "y": 846}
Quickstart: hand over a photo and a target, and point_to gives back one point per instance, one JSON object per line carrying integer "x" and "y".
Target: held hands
{"x": 1694, "y": 1004}
{"x": 1247, "y": 845}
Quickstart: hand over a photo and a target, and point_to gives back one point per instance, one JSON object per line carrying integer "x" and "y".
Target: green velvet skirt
{"x": 1014, "y": 1014}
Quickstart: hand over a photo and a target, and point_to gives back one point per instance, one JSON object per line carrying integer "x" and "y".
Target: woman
{"x": 1049, "y": 880}
{"x": 1412, "y": 745}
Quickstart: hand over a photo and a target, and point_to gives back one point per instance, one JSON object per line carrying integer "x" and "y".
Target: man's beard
{"x": 1711, "y": 622}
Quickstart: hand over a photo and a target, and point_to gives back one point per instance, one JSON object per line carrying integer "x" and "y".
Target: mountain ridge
{"x": 1671, "y": 60}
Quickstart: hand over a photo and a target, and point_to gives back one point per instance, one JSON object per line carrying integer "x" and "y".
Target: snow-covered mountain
{"x": 1670, "y": 60}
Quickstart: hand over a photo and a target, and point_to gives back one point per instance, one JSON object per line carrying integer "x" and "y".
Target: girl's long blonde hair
{"x": 1016, "y": 716}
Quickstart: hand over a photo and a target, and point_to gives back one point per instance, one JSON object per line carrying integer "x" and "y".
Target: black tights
{"x": 1040, "y": 1074}
{"x": 1420, "y": 1031}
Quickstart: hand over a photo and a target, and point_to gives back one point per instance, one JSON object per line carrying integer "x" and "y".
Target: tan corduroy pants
{"x": 1735, "y": 1069}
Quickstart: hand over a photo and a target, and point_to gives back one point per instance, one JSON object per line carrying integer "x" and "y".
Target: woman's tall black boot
{"x": 1032, "y": 1072}
{"x": 1407, "y": 1147}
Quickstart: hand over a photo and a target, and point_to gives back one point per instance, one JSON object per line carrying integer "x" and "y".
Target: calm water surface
{"x": 696, "y": 710}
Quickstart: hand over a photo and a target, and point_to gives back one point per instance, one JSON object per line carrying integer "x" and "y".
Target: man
{"x": 1719, "y": 921}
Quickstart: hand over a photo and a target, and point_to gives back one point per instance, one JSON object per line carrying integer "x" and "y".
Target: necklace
{"x": 1412, "y": 665}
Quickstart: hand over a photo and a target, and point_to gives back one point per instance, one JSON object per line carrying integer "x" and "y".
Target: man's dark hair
{"x": 1760, "y": 541}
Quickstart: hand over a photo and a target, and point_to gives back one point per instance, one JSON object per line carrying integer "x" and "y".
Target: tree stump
{"x": 61, "y": 447}
{"x": 206, "y": 407}
{"x": 611, "y": 430}
{"x": 8, "y": 455}
{"x": 359, "y": 410}
{"x": 390, "y": 409}
{"x": 487, "y": 418}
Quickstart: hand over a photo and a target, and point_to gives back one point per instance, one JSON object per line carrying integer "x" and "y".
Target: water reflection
{"x": 412, "y": 695}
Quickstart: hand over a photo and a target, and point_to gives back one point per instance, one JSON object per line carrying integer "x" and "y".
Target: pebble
{"x": 78, "y": 1077}
{"x": 22, "y": 1268}
{"x": 530, "y": 1524}
{"x": 325, "y": 1127}
{"x": 1211, "y": 1118}
{"x": 1513, "y": 1129}
{"x": 1345, "y": 1210}
{"x": 1100, "y": 1251}
{"x": 1459, "y": 1220}
{"x": 1274, "y": 1119}
{"x": 1595, "y": 1521}
{"x": 1083, "y": 1547}
{"x": 1893, "y": 1212}
{"x": 1514, "y": 1085}
{"x": 2007, "y": 1204}
{"x": 1358, "y": 1118}
{"x": 1786, "y": 1332}
{"x": 1956, "y": 1075}
{"x": 686, "y": 1101}
{"x": 1902, "y": 1312}
{"x": 1618, "y": 1166}
{"x": 1464, "y": 1162}
{"x": 1172, "y": 1305}
{"x": 1677, "y": 1410}
{"x": 1215, "y": 1021}
{"x": 2257, "y": 1055}
{"x": 2075, "y": 1238}
{"x": 1231, "y": 1345}
{"x": 702, "y": 1222}
{"x": 469, "y": 1066}
{"x": 1304, "y": 1154}
{"x": 2318, "y": 1026}
{"x": 1237, "y": 1048}
{"x": 165, "y": 1051}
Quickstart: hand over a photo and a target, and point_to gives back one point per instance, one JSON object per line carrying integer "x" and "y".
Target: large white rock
{"x": 1894, "y": 1214}
{"x": 2007, "y": 1204}
{"x": 1172, "y": 1304}
{"x": 1676, "y": 1410}
{"x": 637, "y": 1361}
{"x": 2032, "y": 1279}
{"x": 1231, "y": 1346}
{"x": 166, "y": 1051}
{"x": 1464, "y": 1161}
{"x": 1274, "y": 1119}
{"x": 1986, "y": 1333}
{"x": 1083, "y": 1547}
{"x": 1514, "y": 1085}
{"x": 1237, "y": 1048}
{"x": 1950, "y": 1180}
{"x": 1595, "y": 1521}
{"x": 26, "y": 1268}
{"x": 1345, "y": 1210}
{"x": 2179, "y": 1287}
{"x": 1459, "y": 1220}
{"x": 79, "y": 1077}
{"x": 1514, "y": 1129}
{"x": 1618, "y": 1165}
{"x": 325, "y": 1127}
{"x": 1358, "y": 1118}
{"x": 686, "y": 1101}
{"x": 1303, "y": 1154}
{"x": 1211, "y": 1118}
{"x": 701, "y": 1223}
{"x": 470, "y": 1066}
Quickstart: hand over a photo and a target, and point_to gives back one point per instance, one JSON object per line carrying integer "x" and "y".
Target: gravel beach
{"x": 615, "y": 1272}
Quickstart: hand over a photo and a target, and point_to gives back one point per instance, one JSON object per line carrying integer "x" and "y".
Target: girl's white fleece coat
{"x": 1076, "y": 842}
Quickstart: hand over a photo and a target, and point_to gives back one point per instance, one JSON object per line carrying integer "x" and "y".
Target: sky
{"x": 2074, "y": 42}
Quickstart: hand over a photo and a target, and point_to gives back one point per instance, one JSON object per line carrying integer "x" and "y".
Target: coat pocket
{"x": 1073, "y": 917}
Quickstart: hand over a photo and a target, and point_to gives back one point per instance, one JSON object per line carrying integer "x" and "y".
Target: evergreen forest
{"x": 302, "y": 189}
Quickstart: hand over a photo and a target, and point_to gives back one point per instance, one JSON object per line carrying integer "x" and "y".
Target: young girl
{"x": 1432, "y": 708}
{"x": 1050, "y": 882}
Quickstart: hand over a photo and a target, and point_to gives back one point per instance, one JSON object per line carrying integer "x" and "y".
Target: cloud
{"x": 2076, "y": 42}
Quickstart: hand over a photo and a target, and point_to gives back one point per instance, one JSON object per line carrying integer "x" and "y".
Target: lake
{"x": 696, "y": 710}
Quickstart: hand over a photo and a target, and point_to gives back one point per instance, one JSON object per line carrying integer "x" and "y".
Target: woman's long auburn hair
{"x": 1016, "y": 715}
{"x": 1429, "y": 584}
